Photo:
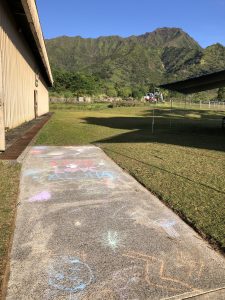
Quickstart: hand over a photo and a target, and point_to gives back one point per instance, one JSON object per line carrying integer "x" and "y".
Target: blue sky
{"x": 204, "y": 20}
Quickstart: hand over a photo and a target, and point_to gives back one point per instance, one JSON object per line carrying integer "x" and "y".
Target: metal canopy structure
{"x": 197, "y": 84}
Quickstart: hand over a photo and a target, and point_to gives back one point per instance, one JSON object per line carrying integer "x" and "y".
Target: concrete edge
{"x": 193, "y": 294}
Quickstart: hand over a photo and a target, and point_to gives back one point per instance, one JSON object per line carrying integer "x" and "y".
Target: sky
{"x": 204, "y": 20}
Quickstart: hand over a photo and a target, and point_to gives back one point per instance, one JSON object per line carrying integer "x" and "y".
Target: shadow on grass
{"x": 187, "y": 113}
{"x": 203, "y": 134}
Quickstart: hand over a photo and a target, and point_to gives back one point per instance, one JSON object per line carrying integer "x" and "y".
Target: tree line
{"x": 74, "y": 84}
{"x": 70, "y": 84}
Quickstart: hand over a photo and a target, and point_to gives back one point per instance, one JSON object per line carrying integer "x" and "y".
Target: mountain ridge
{"x": 163, "y": 55}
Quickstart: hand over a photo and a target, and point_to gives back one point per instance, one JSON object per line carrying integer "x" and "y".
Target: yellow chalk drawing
{"x": 155, "y": 272}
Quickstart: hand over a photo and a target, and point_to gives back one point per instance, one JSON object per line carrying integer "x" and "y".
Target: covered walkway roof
{"x": 198, "y": 84}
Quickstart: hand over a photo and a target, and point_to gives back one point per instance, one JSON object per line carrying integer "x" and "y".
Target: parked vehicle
{"x": 155, "y": 97}
{"x": 150, "y": 97}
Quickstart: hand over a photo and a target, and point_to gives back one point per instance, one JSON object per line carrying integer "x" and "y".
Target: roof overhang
{"x": 197, "y": 84}
{"x": 26, "y": 16}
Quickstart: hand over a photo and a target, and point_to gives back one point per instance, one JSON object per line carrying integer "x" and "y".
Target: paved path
{"x": 87, "y": 230}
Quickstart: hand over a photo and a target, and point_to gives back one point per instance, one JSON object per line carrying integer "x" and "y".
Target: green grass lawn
{"x": 9, "y": 185}
{"x": 182, "y": 161}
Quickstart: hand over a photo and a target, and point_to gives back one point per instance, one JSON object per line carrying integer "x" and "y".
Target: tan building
{"x": 25, "y": 73}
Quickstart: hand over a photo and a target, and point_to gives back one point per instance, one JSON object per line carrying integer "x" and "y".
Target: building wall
{"x": 19, "y": 71}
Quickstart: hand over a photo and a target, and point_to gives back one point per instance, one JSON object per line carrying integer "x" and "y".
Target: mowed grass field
{"x": 182, "y": 160}
{"x": 9, "y": 186}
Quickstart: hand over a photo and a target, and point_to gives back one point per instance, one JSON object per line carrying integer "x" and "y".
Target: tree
{"x": 221, "y": 94}
{"x": 75, "y": 83}
{"x": 139, "y": 91}
{"x": 124, "y": 92}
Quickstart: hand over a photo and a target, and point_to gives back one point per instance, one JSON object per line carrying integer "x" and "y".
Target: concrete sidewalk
{"x": 87, "y": 230}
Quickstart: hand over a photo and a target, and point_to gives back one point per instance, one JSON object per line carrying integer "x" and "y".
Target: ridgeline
{"x": 124, "y": 67}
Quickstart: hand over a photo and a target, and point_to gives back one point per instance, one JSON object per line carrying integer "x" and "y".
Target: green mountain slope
{"x": 163, "y": 55}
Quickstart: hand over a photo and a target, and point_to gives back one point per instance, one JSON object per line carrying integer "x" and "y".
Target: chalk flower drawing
{"x": 69, "y": 274}
{"x": 41, "y": 197}
{"x": 112, "y": 239}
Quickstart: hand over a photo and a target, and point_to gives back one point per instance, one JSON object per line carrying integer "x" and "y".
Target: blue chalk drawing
{"x": 105, "y": 174}
{"x": 97, "y": 175}
{"x": 69, "y": 274}
{"x": 32, "y": 172}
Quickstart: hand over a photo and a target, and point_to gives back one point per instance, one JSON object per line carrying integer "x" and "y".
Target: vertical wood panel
{"x": 2, "y": 123}
{"x": 19, "y": 68}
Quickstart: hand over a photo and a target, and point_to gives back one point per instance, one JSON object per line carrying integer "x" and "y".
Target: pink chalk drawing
{"x": 67, "y": 166}
{"x": 41, "y": 197}
{"x": 36, "y": 151}
{"x": 109, "y": 183}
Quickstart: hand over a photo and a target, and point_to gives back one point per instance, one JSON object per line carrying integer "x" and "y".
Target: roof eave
{"x": 197, "y": 84}
{"x": 30, "y": 10}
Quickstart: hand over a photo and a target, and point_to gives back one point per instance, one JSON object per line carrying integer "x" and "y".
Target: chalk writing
{"x": 80, "y": 175}
{"x": 41, "y": 197}
{"x": 69, "y": 274}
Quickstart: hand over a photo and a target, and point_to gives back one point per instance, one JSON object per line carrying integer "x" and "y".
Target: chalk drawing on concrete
{"x": 70, "y": 274}
{"x": 32, "y": 172}
{"x": 55, "y": 153}
{"x": 77, "y": 223}
{"x": 168, "y": 226}
{"x": 36, "y": 151}
{"x": 155, "y": 273}
{"x": 72, "y": 166}
{"x": 41, "y": 197}
{"x": 101, "y": 163}
{"x": 122, "y": 284}
{"x": 141, "y": 216}
{"x": 83, "y": 174}
{"x": 109, "y": 183}
{"x": 70, "y": 147}
{"x": 40, "y": 147}
{"x": 112, "y": 240}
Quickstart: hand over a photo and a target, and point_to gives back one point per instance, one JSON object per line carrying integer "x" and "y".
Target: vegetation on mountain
{"x": 125, "y": 67}
{"x": 221, "y": 94}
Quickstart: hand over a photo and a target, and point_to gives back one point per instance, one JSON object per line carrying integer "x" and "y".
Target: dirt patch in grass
{"x": 182, "y": 161}
{"x": 9, "y": 187}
